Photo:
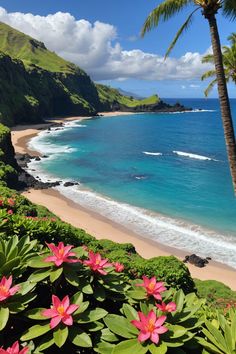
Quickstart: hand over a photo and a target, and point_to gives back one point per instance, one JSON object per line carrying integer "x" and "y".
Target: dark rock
{"x": 45, "y": 156}
{"x": 69, "y": 184}
{"x": 196, "y": 260}
{"x": 37, "y": 158}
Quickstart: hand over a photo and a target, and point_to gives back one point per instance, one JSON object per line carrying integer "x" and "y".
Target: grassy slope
{"x": 20, "y": 46}
{"x": 108, "y": 94}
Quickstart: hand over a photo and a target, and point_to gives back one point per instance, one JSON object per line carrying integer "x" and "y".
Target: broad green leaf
{"x": 216, "y": 337}
{"x": 25, "y": 287}
{"x": 55, "y": 274}
{"x": 2, "y": 259}
{"x": 79, "y": 338}
{"x": 130, "y": 312}
{"x": 72, "y": 277}
{"x": 36, "y": 314}
{"x": 92, "y": 315}
{"x": 46, "y": 342}
{"x": 94, "y": 326}
{"x": 79, "y": 251}
{"x": 81, "y": 309}
{"x": 60, "y": 335}
{"x": 39, "y": 275}
{"x": 176, "y": 331}
{"x": 4, "y": 316}
{"x": 158, "y": 349}
{"x": 38, "y": 262}
{"x": 209, "y": 346}
{"x": 121, "y": 326}
{"x": 179, "y": 300}
{"x": 87, "y": 289}
{"x": 77, "y": 298}
{"x": 138, "y": 294}
{"x": 108, "y": 336}
{"x": 35, "y": 331}
{"x": 104, "y": 348}
{"x": 6, "y": 269}
{"x": 129, "y": 346}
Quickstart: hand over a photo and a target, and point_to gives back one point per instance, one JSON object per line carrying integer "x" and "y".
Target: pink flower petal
{"x": 67, "y": 320}
{"x": 14, "y": 289}
{"x": 56, "y": 301}
{"x": 160, "y": 321}
{"x": 55, "y": 321}
{"x": 72, "y": 308}
{"x": 143, "y": 336}
{"x": 161, "y": 330}
{"x": 65, "y": 302}
{"x": 137, "y": 324}
{"x": 155, "y": 337}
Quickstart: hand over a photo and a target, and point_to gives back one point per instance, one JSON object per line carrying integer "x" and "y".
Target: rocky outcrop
{"x": 196, "y": 260}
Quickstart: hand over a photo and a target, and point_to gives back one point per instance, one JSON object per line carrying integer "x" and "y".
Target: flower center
{"x": 151, "y": 286}
{"x": 151, "y": 326}
{"x": 61, "y": 252}
{"x": 3, "y": 290}
{"x": 97, "y": 261}
{"x": 61, "y": 310}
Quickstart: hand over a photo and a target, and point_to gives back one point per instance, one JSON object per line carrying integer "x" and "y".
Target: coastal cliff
{"x": 36, "y": 83}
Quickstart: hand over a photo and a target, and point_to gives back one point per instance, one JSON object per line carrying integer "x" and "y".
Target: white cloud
{"x": 94, "y": 48}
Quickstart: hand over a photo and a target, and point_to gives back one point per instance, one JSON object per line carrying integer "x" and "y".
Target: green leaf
{"x": 94, "y": 326}
{"x": 108, "y": 336}
{"x": 158, "y": 349}
{"x": 81, "y": 309}
{"x": 129, "y": 346}
{"x": 177, "y": 331}
{"x": 35, "y": 331}
{"x": 6, "y": 269}
{"x": 38, "y": 262}
{"x": 179, "y": 300}
{"x": 60, "y": 335}
{"x": 87, "y": 289}
{"x": 2, "y": 259}
{"x": 104, "y": 348}
{"x": 46, "y": 342}
{"x": 39, "y": 275}
{"x": 130, "y": 312}
{"x": 79, "y": 338}
{"x": 77, "y": 298}
{"x": 92, "y": 315}
{"x": 72, "y": 277}
{"x": 138, "y": 294}
{"x": 25, "y": 287}
{"x": 4, "y": 316}
{"x": 55, "y": 274}
{"x": 36, "y": 314}
{"x": 121, "y": 326}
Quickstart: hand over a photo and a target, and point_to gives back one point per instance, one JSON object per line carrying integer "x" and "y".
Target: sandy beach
{"x": 101, "y": 227}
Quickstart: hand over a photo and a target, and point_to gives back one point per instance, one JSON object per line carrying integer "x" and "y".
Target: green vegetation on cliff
{"x": 36, "y": 83}
{"x": 112, "y": 99}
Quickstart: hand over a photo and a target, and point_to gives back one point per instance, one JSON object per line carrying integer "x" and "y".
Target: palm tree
{"x": 229, "y": 62}
{"x": 209, "y": 9}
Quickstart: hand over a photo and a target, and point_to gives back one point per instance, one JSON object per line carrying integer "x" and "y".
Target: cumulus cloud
{"x": 95, "y": 48}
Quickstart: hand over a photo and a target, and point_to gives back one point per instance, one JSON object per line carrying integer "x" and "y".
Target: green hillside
{"x": 20, "y": 46}
{"x": 112, "y": 97}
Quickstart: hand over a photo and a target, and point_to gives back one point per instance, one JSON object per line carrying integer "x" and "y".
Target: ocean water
{"x": 165, "y": 176}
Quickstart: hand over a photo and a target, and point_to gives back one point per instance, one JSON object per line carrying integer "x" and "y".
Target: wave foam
{"x": 159, "y": 228}
{"x": 193, "y": 156}
{"x": 152, "y": 153}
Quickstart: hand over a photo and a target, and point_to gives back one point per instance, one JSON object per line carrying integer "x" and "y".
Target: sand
{"x": 101, "y": 227}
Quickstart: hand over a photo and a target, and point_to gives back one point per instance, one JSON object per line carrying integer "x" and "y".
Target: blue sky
{"x": 102, "y": 36}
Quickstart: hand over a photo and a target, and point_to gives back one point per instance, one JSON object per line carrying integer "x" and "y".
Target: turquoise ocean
{"x": 164, "y": 176}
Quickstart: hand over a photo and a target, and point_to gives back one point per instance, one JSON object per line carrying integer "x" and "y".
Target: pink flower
{"x": 14, "y": 349}
{"x": 5, "y": 288}
{"x": 170, "y": 307}
{"x": 1, "y": 202}
{"x": 10, "y": 212}
{"x": 150, "y": 326}
{"x": 96, "y": 263}
{"x": 153, "y": 287}
{"x": 60, "y": 312}
{"x": 10, "y": 201}
{"x": 60, "y": 254}
{"x": 118, "y": 267}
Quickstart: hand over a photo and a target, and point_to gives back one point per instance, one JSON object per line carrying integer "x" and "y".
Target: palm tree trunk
{"x": 224, "y": 99}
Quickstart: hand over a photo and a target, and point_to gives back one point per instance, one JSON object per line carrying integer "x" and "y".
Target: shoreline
{"x": 98, "y": 225}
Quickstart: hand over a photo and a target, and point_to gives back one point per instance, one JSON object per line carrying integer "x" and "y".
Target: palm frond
{"x": 208, "y": 74}
{"x": 209, "y": 58}
{"x": 229, "y": 9}
{"x": 164, "y": 12}
{"x": 232, "y": 38}
{"x": 210, "y": 87}
{"x": 183, "y": 28}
